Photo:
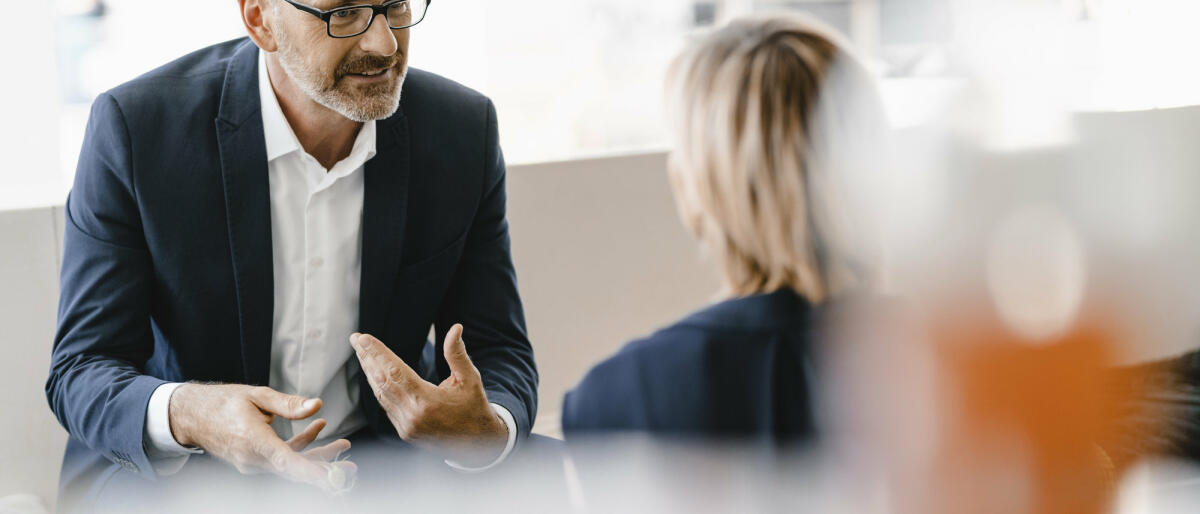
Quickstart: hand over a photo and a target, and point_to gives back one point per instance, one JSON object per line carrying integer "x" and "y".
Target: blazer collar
{"x": 243, "y": 159}
{"x": 385, "y": 208}
{"x": 239, "y": 91}
{"x": 764, "y": 311}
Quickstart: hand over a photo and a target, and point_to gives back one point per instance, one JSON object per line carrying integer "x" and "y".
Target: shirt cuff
{"x": 511, "y": 425}
{"x": 164, "y": 452}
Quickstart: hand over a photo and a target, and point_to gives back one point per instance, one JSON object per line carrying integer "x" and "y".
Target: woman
{"x": 763, "y": 109}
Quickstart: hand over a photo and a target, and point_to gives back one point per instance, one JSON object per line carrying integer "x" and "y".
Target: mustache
{"x": 367, "y": 63}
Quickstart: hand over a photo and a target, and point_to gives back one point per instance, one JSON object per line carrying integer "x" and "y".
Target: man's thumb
{"x": 455, "y": 350}
{"x": 287, "y": 405}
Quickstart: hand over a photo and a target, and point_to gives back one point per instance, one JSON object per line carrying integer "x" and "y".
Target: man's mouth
{"x": 372, "y": 75}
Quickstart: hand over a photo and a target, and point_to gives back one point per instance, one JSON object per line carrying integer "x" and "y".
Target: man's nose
{"x": 379, "y": 39}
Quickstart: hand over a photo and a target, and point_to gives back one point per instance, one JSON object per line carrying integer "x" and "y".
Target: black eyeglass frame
{"x": 376, "y": 10}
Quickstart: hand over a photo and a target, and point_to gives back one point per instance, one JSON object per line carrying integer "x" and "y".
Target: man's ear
{"x": 254, "y": 17}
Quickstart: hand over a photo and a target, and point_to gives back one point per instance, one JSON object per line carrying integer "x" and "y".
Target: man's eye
{"x": 343, "y": 14}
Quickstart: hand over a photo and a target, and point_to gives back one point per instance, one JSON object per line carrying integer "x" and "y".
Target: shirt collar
{"x": 278, "y": 134}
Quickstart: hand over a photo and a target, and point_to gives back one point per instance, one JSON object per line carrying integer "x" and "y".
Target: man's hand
{"x": 233, "y": 423}
{"x": 453, "y": 418}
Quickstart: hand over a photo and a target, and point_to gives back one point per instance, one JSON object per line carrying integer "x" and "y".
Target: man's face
{"x": 359, "y": 77}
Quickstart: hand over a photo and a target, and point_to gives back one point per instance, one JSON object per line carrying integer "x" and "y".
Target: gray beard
{"x": 360, "y": 110}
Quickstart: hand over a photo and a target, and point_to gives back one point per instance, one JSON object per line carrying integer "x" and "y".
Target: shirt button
{"x": 314, "y": 334}
{"x": 316, "y": 262}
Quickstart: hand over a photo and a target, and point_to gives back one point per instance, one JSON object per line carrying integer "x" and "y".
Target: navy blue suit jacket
{"x": 738, "y": 369}
{"x": 167, "y": 265}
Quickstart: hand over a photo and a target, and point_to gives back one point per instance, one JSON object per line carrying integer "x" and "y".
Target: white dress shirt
{"x": 316, "y": 243}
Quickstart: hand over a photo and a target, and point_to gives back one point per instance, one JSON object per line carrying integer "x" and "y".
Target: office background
{"x": 600, "y": 256}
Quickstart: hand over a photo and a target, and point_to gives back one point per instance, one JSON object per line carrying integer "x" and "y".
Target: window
{"x": 583, "y": 78}
{"x": 569, "y": 79}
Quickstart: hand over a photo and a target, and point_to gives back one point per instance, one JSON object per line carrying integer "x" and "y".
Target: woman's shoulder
{"x": 729, "y": 321}
{"x": 766, "y": 312}
{"x": 657, "y": 380}
{"x": 736, "y": 325}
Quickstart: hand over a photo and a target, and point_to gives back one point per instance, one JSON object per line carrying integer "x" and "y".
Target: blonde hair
{"x": 749, "y": 169}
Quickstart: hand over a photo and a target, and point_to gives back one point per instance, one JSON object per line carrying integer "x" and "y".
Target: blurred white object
{"x": 1037, "y": 272}
{"x": 22, "y": 504}
{"x": 1163, "y": 486}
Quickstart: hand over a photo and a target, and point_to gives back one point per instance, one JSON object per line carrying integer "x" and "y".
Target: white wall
{"x": 29, "y": 134}
{"x": 601, "y": 258}
{"x": 31, "y": 441}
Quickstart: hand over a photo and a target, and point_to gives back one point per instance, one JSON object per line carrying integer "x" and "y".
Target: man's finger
{"x": 381, "y": 365}
{"x": 342, "y": 475}
{"x": 329, "y": 451}
{"x": 455, "y": 350}
{"x": 301, "y": 441}
{"x": 287, "y": 463}
{"x": 286, "y": 405}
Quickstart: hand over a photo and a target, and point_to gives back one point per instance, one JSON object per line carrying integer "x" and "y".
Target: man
{"x": 241, "y": 214}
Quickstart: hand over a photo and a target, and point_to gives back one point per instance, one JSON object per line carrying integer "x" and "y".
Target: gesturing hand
{"x": 232, "y": 423}
{"x": 453, "y": 417}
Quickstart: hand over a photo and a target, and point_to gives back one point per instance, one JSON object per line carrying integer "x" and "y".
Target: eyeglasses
{"x": 353, "y": 20}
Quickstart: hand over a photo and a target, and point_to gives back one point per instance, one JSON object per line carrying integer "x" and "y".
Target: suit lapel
{"x": 385, "y": 202}
{"x": 248, "y": 209}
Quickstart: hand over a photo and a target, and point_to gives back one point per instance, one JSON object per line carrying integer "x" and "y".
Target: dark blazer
{"x": 167, "y": 266}
{"x": 737, "y": 369}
